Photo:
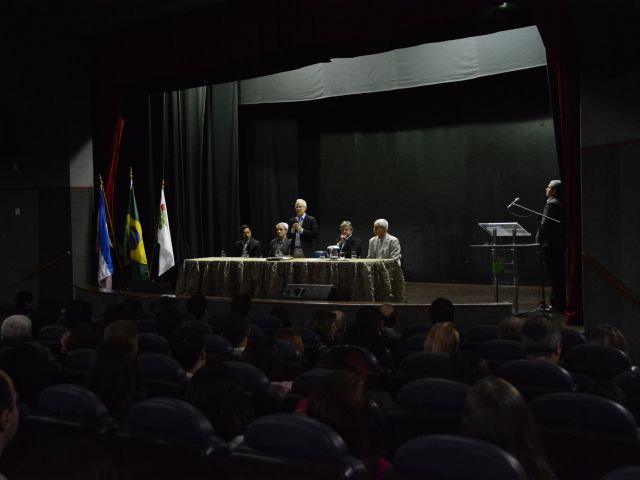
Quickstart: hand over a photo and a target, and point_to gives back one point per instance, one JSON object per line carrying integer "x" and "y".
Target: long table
{"x": 354, "y": 279}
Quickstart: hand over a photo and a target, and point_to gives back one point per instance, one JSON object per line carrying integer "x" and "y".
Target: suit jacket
{"x": 254, "y": 248}
{"x": 307, "y": 237}
{"x": 351, "y": 244}
{"x": 389, "y": 247}
{"x": 552, "y": 234}
{"x": 284, "y": 248}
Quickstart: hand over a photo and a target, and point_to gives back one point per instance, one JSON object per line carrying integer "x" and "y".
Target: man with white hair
{"x": 15, "y": 329}
{"x": 304, "y": 230}
{"x": 280, "y": 245}
{"x": 383, "y": 245}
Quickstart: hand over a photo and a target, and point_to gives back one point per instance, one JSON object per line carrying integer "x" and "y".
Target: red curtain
{"x": 559, "y": 34}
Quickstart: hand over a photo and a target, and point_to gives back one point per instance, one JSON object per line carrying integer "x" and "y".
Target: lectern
{"x": 504, "y": 230}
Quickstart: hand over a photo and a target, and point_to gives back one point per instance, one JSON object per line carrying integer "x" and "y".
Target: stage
{"x": 473, "y": 302}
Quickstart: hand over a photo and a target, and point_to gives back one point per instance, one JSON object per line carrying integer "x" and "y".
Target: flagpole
{"x": 155, "y": 243}
{"x": 111, "y": 230}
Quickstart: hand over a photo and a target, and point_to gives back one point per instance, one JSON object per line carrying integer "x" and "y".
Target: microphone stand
{"x": 544, "y": 307}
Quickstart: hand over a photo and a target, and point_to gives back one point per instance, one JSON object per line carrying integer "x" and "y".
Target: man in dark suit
{"x": 247, "y": 246}
{"x": 347, "y": 242}
{"x": 552, "y": 239}
{"x": 303, "y": 232}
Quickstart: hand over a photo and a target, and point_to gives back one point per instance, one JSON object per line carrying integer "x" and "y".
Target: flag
{"x": 165, "y": 257}
{"x": 133, "y": 239}
{"x": 105, "y": 265}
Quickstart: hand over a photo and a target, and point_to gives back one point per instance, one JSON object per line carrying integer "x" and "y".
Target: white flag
{"x": 165, "y": 257}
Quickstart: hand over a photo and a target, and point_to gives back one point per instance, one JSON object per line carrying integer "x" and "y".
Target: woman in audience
{"x": 366, "y": 331}
{"x": 496, "y": 413}
{"x": 339, "y": 400}
{"x": 608, "y": 335}
{"x": 263, "y": 353}
{"x": 216, "y": 392}
{"x": 113, "y": 376}
{"x": 323, "y": 323}
{"x": 291, "y": 335}
{"x": 443, "y": 337}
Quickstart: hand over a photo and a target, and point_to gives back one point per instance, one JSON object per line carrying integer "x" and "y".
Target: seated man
{"x": 383, "y": 245}
{"x": 349, "y": 244}
{"x": 247, "y": 246}
{"x": 281, "y": 245}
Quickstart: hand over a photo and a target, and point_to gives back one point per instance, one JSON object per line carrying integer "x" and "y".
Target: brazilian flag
{"x": 133, "y": 240}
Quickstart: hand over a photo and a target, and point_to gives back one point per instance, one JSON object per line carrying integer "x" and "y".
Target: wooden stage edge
{"x": 474, "y": 303}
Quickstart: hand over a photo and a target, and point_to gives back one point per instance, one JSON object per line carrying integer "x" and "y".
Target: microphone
{"x": 511, "y": 204}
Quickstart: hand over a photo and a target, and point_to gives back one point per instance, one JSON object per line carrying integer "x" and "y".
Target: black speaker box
{"x": 308, "y": 291}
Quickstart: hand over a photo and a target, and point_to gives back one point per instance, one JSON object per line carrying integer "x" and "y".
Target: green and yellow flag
{"x": 133, "y": 239}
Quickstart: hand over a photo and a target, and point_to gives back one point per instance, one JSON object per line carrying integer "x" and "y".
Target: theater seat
{"x": 629, "y": 383}
{"x": 216, "y": 346}
{"x": 146, "y": 325}
{"x": 498, "y": 351}
{"x": 169, "y": 438}
{"x": 453, "y": 458}
{"x": 602, "y": 434}
{"x": 257, "y": 387}
{"x": 533, "y": 378}
{"x": 152, "y": 343}
{"x": 76, "y": 365}
{"x": 426, "y": 406}
{"x": 624, "y": 473}
{"x": 268, "y": 324}
{"x": 162, "y": 375}
{"x": 414, "y": 343}
{"x": 290, "y": 446}
{"x": 420, "y": 365}
{"x": 596, "y": 361}
{"x": 199, "y": 325}
{"x": 475, "y": 336}
{"x": 50, "y": 336}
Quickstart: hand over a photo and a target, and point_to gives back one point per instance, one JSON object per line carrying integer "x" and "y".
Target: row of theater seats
{"x": 584, "y": 436}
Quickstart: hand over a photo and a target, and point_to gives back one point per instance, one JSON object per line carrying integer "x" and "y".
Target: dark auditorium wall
{"x": 434, "y": 161}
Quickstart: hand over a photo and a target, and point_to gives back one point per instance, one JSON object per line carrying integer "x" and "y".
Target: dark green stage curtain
{"x": 194, "y": 147}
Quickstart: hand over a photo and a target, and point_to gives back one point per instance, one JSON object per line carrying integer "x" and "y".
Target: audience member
{"x": 510, "y": 328}
{"x": 323, "y": 323}
{"x": 366, "y": 331}
{"x": 608, "y": 335}
{"x": 15, "y": 329}
{"x": 168, "y": 322}
{"x": 291, "y": 335}
{"x": 467, "y": 367}
{"x": 542, "y": 338}
{"x": 113, "y": 376}
{"x": 216, "y": 392}
{"x": 9, "y": 412}
{"x": 263, "y": 353}
{"x": 241, "y": 303}
{"x": 125, "y": 332}
{"x": 235, "y": 329}
{"x": 496, "y": 413}
{"x": 339, "y": 400}
{"x": 283, "y": 314}
{"x": 197, "y": 307}
{"x": 187, "y": 347}
{"x": 442, "y": 338}
{"x": 24, "y": 303}
{"x": 441, "y": 310}
{"x": 341, "y": 322}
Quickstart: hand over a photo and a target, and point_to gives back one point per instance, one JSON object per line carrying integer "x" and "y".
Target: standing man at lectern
{"x": 552, "y": 239}
{"x": 304, "y": 230}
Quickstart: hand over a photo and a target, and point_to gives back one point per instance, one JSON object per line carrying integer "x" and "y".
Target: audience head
{"x": 187, "y": 347}
{"x": 15, "y": 329}
{"x": 442, "y": 338}
{"x": 291, "y": 335}
{"x": 341, "y": 321}
{"x": 263, "y": 353}
{"x": 496, "y": 413}
{"x": 24, "y": 301}
{"x": 339, "y": 400}
{"x": 113, "y": 376}
{"x": 542, "y": 338}
{"x": 510, "y": 328}
{"x": 241, "y": 304}
{"x": 217, "y": 393}
{"x": 347, "y": 357}
{"x": 124, "y": 332}
{"x": 441, "y": 310}
{"x": 467, "y": 367}
{"x": 197, "y": 306}
{"x": 380, "y": 227}
{"x": 389, "y": 315}
{"x": 79, "y": 311}
{"x": 9, "y": 413}
{"x": 235, "y": 329}
{"x": 282, "y": 314}
{"x": 115, "y": 313}
{"x": 323, "y": 322}
{"x": 608, "y": 335}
